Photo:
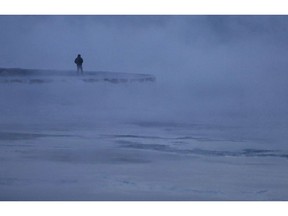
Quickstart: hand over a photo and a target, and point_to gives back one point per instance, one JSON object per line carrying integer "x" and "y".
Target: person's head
{"x": 79, "y": 55}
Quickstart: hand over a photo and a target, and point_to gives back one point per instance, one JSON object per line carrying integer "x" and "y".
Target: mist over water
{"x": 211, "y": 126}
{"x": 206, "y": 66}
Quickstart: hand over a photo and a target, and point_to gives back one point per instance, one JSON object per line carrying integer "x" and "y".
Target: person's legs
{"x": 79, "y": 69}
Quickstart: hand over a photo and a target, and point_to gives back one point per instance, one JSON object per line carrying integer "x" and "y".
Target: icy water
{"x": 69, "y": 139}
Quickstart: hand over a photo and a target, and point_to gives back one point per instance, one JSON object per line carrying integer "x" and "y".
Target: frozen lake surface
{"x": 72, "y": 140}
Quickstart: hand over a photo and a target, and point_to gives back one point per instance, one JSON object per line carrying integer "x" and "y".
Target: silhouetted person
{"x": 79, "y": 61}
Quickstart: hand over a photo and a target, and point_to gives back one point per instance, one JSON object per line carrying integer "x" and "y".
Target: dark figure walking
{"x": 79, "y": 61}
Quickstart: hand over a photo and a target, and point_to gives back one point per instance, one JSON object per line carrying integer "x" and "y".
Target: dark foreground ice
{"x": 73, "y": 140}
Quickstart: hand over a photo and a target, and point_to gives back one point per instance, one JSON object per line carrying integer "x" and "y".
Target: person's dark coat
{"x": 78, "y": 60}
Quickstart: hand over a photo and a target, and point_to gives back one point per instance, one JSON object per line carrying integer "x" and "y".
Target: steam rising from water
{"x": 216, "y": 116}
{"x": 208, "y": 68}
